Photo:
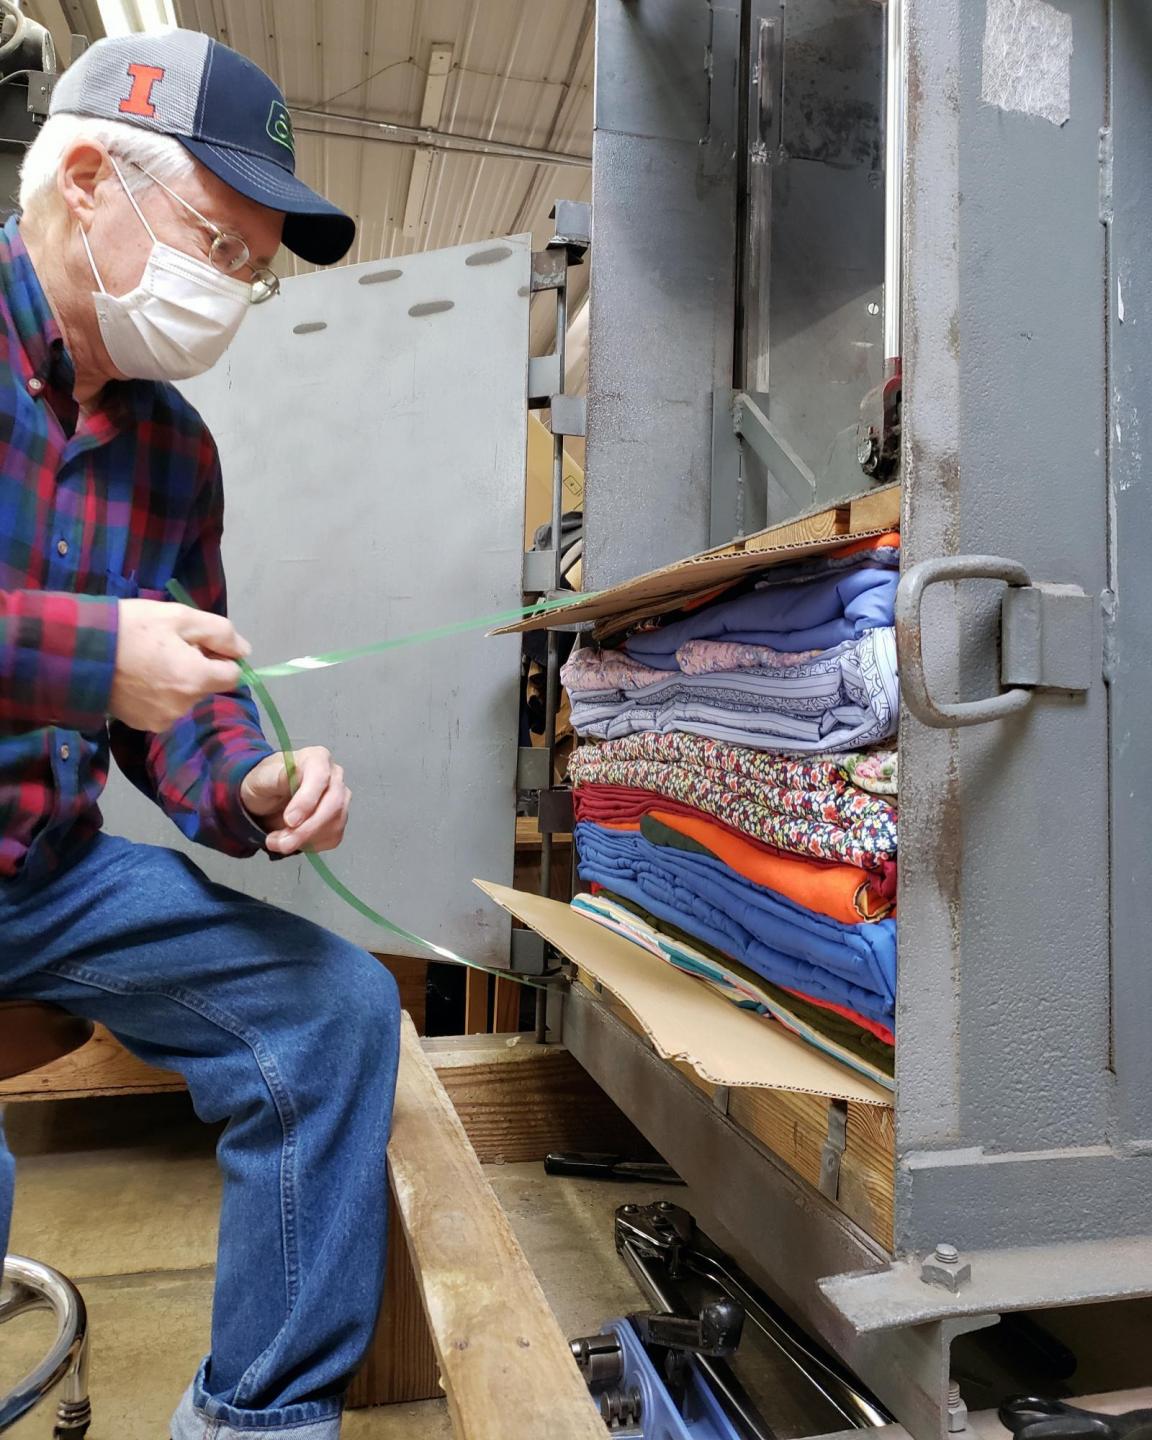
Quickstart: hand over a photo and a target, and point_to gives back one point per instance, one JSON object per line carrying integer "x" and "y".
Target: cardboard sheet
{"x": 855, "y": 519}
{"x": 682, "y": 1016}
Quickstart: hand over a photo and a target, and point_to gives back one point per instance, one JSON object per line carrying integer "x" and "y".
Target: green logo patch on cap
{"x": 280, "y": 127}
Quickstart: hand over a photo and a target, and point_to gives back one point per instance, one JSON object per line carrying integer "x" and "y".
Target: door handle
{"x": 1050, "y": 639}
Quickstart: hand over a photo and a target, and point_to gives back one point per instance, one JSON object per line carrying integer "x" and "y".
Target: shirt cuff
{"x": 242, "y": 827}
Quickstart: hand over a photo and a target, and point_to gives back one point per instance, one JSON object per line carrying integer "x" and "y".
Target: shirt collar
{"x": 27, "y": 303}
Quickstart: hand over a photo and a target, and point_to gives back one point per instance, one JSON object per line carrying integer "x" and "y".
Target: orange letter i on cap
{"x": 139, "y": 100}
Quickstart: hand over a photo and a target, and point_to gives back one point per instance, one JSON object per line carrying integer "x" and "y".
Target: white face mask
{"x": 179, "y": 319}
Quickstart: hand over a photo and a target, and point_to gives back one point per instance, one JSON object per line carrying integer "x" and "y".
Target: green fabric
{"x": 657, "y": 833}
{"x": 837, "y": 1028}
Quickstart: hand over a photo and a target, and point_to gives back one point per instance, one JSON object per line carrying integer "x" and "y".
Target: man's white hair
{"x": 166, "y": 158}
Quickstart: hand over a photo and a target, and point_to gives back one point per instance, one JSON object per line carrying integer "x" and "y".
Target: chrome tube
{"x": 393, "y": 134}
{"x": 32, "y": 1286}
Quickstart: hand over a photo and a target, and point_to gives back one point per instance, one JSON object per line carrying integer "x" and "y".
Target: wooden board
{"x": 795, "y": 1128}
{"x": 506, "y": 1366}
{"x": 401, "y": 1363}
{"x": 518, "y": 1100}
{"x": 103, "y": 1067}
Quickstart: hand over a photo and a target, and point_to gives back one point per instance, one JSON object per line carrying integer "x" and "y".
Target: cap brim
{"x": 314, "y": 228}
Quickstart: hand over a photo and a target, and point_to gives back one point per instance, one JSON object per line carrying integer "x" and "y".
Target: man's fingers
{"x": 219, "y": 676}
{"x": 322, "y": 830}
{"x": 315, "y": 772}
{"x": 211, "y": 632}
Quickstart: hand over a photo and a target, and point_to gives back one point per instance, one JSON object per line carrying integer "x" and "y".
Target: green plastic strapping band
{"x": 253, "y": 678}
{"x": 304, "y": 663}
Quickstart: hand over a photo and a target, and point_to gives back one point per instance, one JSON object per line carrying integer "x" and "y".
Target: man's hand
{"x": 168, "y": 659}
{"x": 312, "y": 819}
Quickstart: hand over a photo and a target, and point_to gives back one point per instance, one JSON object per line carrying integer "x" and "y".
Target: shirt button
{"x": 65, "y": 751}
{"x": 62, "y": 547}
{"x": 35, "y": 385}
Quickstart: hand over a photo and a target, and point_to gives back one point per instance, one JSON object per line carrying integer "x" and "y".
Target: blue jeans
{"x": 290, "y": 1035}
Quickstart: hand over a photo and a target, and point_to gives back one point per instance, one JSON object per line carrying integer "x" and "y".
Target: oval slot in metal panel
{"x": 310, "y": 327}
{"x": 378, "y": 277}
{"x": 489, "y": 257}
{"x": 431, "y": 307}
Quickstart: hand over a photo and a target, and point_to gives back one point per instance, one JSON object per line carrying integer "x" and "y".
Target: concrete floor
{"x": 123, "y": 1197}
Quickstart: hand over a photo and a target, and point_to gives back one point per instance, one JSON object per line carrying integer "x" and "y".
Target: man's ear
{"x": 82, "y": 167}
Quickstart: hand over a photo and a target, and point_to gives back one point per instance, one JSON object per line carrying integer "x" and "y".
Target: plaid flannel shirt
{"x": 94, "y": 509}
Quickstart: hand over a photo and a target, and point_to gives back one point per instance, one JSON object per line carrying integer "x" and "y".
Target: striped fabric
{"x": 95, "y": 508}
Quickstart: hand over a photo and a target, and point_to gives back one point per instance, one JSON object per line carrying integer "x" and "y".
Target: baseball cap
{"x": 223, "y": 109}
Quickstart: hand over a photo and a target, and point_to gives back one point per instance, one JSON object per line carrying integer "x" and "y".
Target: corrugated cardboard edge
{"x": 859, "y": 518}
{"x": 730, "y": 1046}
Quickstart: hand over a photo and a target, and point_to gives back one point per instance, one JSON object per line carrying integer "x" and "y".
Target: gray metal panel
{"x": 1003, "y": 1007}
{"x": 1130, "y": 365}
{"x": 661, "y": 317}
{"x": 375, "y": 477}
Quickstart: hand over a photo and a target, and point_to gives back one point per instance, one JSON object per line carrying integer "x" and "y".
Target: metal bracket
{"x": 1048, "y": 635}
{"x": 569, "y": 415}
{"x": 539, "y": 573}
{"x": 834, "y": 1147}
{"x": 1049, "y": 639}
{"x": 40, "y": 87}
{"x": 533, "y": 768}
{"x": 529, "y": 954}
{"x": 555, "y": 812}
{"x": 544, "y": 380}
{"x": 549, "y": 269}
{"x": 573, "y": 228}
{"x": 787, "y": 468}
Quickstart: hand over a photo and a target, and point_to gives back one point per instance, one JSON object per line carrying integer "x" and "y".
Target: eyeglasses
{"x": 228, "y": 253}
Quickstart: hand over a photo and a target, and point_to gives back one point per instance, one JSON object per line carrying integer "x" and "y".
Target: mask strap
{"x": 132, "y": 199}
{"x": 91, "y": 261}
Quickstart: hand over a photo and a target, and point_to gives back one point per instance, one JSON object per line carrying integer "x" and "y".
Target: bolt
{"x": 666, "y": 1205}
{"x": 957, "y": 1410}
{"x": 947, "y": 1254}
{"x": 631, "y": 1209}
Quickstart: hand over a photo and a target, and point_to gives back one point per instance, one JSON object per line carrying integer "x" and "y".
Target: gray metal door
{"x": 371, "y": 425}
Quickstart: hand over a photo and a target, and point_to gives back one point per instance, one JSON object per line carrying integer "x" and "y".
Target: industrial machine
{"x": 28, "y": 69}
{"x": 835, "y": 243}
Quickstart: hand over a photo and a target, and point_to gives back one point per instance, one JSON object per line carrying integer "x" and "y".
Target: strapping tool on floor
{"x": 586, "y": 1165}
{"x": 1030, "y": 1418}
{"x": 664, "y": 1374}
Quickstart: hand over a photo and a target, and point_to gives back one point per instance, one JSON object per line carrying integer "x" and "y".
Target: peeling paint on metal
{"x": 1028, "y": 59}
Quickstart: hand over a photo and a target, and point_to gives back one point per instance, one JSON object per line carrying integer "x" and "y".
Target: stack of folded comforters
{"x": 727, "y": 819}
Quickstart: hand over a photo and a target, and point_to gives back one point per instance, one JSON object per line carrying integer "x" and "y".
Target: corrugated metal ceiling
{"x": 521, "y": 72}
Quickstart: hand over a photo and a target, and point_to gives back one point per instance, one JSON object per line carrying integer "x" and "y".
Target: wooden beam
{"x": 506, "y": 1007}
{"x": 506, "y": 1366}
{"x": 518, "y": 1100}
{"x": 401, "y": 1364}
{"x": 475, "y": 1003}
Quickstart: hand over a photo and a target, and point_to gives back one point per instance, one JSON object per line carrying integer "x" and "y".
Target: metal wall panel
{"x": 662, "y": 277}
{"x": 357, "y": 512}
{"x": 1004, "y": 964}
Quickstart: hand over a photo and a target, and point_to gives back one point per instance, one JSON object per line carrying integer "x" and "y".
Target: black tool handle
{"x": 1032, "y": 1418}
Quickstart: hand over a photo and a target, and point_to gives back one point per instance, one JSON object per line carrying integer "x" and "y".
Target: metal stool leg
{"x": 29, "y": 1286}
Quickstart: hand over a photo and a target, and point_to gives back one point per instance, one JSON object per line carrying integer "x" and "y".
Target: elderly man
{"x": 153, "y": 203}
